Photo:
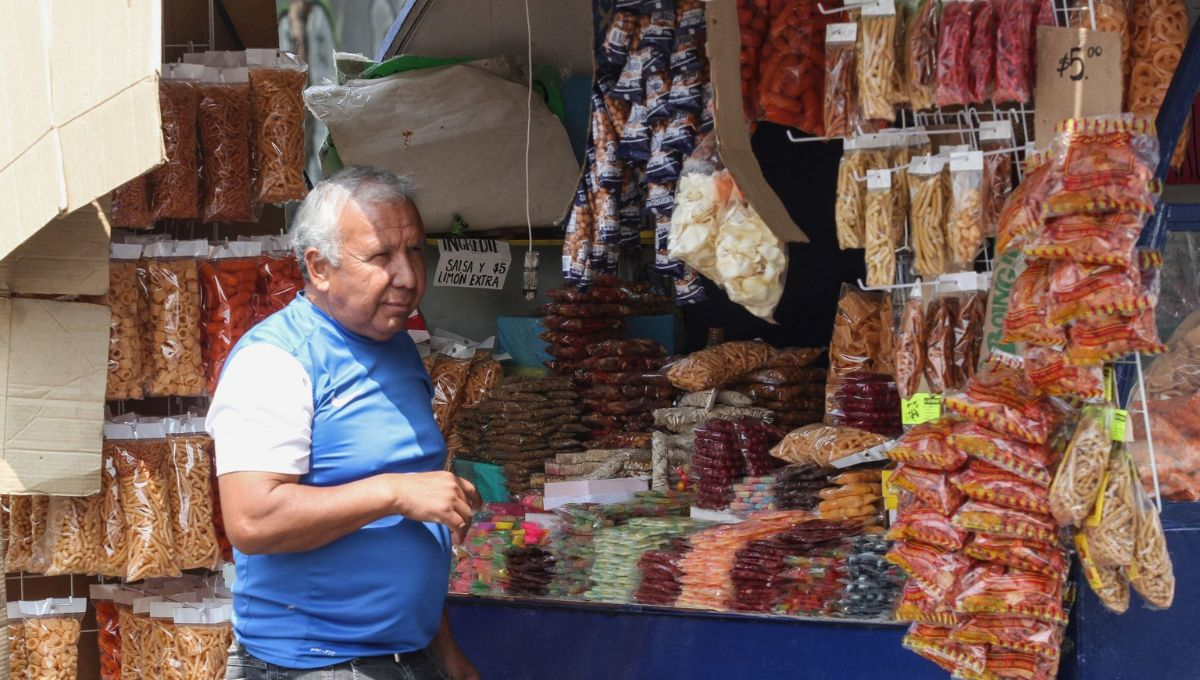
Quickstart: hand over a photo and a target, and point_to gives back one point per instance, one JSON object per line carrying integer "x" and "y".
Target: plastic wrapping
{"x": 918, "y": 606}
{"x": 954, "y": 54}
{"x": 1111, "y": 529}
{"x": 279, "y": 280}
{"x": 108, "y": 631}
{"x": 278, "y": 105}
{"x": 131, "y": 204}
{"x": 921, "y": 47}
{"x": 1022, "y": 213}
{"x": 39, "y": 514}
{"x": 1014, "y": 52}
{"x": 201, "y": 640}
{"x": 928, "y": 199}
{"x": 992, "y": 589}
{"x": 449, "y": 377}
{"x": 51, "y": 631}
{"x": 792, "y": 66}
{"x": 189, "y": 473}
{"x": 840, "y": 100}
{"x": 127, "y": 300}
{"x": 937, "y": 571}
{"x": 1107, "y": 163}
{"x": 822, "y": 444}
{"x": 965, "y": 222}
{"x": 717, "y": 366}
{"x": 985, "y": 518}
{"x": 1027, "y": 317}
{"x": 981, "y": 64}
{"x": 225, "y": 125}
{"x": 18, "y": 659}
{"x": 1151, "y": 573}
{"x": 928, "y": 526}
{"x": 176, "y": 183}
{"x": 20, "y": 534}
{"x": 925, "y": 446}
{"x": 175, "y": 359}
{"x": 878, "y": 230}
{"x": 228, "y": 283}
{"x": 1052, "y": 371}
{"x": 112, "y": 552}
{"x": 1002, "y": 398}
{"x": 1106, "y": 239}
{"x": 997, "y": 182}
{"x": 1035, "y": 556}
{"x": 751, "y": 261}
{"x": 145, "y": 506}
{"x": 941, "y": 368}
{"x": 984, "y": 482}
{"x": 1027, "y": 461}
{"x": 857, "y": 345}
{"x": 1108, "y": 583}
{"x": 1079, "y": 291}
{"x": 931, "y": 488}
{"x": 134, "y": 644}
{"x": 73, "y": 535}
{"x": 877, "y": 67}
{"x": 968, "y": 335}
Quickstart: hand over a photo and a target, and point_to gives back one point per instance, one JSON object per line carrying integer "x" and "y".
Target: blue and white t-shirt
{"x": 301, "y": 395}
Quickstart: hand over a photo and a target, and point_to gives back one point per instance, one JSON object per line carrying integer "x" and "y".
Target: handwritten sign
{"x": 1078, "y": 74}
{"x": 472, "y": 263}
{"x": 922, "y": 407}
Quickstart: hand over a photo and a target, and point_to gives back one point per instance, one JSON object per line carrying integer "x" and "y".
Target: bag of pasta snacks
{"x": 1151, "y": 573}
{"x": 175, "y": 185}
{"x": 140, "y": 458}
{"x": 174, "y": 358}
{"x": 160, "y": 638}
{"x": 1080, "y": 476}
{"x": 201, "y": 643}
{"x": 225, "y": 126}
{"x": 18, "y": 659}
{"x": 52, "y": 637}
{"x": 277, "y": 82}
{"x": 73, "y": 535}
{"x": 189, "y": 469}
{"x": 928, "y": 200}
{"x": 133, "y": 619}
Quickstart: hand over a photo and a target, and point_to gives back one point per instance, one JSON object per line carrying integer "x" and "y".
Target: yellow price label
{"x": 1120, "y": 417}
{"x": 1110, "y": 384}
{"x": 890, "y": 500}
{"x": 922, "y": 407}
{"x": 1093, "y": 519}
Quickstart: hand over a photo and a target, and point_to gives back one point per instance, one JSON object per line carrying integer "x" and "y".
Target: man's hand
{"x": 439, "y": 497}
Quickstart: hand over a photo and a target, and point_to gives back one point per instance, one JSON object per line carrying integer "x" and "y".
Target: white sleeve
{"x": 261, "y": 415}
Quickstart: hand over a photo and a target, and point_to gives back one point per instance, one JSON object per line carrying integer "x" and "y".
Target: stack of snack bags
{"x": 529, "y": 568}
{"x": 599, "y": 464}
{"x": 717, "y": 464}
{"x": 674, "y": 441}
{"x": 576, "y": 319}
{"x": 621, "y": 387}
{"x": 811, "y": 584}
{"x": 707, "y": 569}
{"x": 872, "y": 584}
{"x": 792, "y": 393}
{"x": 938, "y": 344}
{"x": 753, "y": 494}
{"x": 797, "y": 487}
{"x": 974, "y": 531}
{"x": 479, "y": 561}
{"x": 758, "y": 571}
{"x": 662, "y": 575}
{"x": 523, "y": 423}
{"x": 618, "y": 549}
{"x": 852, "y": 496}
{"x": 860, "y": 391}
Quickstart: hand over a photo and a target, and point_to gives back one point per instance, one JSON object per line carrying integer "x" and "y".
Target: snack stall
{"x": 854, "y": 338}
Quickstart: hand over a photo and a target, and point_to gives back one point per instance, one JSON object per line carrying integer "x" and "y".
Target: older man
{"x": 330, "y": 461}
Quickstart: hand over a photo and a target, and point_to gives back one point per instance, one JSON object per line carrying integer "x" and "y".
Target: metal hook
{"x": 848, "y": 7}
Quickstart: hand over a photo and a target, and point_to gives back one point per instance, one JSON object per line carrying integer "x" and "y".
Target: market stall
{"x": 851, "y": 339}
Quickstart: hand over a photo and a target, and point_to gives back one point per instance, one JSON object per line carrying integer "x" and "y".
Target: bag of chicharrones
{"x": 52, "y": 637}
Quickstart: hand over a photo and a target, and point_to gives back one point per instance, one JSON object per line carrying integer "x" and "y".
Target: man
{"x": 330, "y": 461}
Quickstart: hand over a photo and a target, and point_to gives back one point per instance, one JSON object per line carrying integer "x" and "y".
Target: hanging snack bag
{"x": 1111, "y": 529}
{"x": 127, "y": 299}
{"x": 228, "y": 280}
{"x": 996, "y": 142}
{"x": 225, "y": 127}
{"x": 1151, "y": 573}
{"x": 981, "y": 64}
{"x": 927, "y": 215}
{"x": 615, "y": 48}
{"x": 108, "y": 631}
{"x": 954, "y": 54}
{"x": 277, "y": 82}
{"x": 1002, "y": 398}
{"x": 175, "y": 358}
{"x": 1027, "y": 318}
{"x": 131, "y": 204}
{"x": 201, "y": 641}
{"x": 73, "y": 535}
{"x": 792, "y": 67}
{"x": 910, "y": 348}
{"x": 1107, "y": 163}
{"x": 1021, "y": 215}
{"x": 1014, "y": 52}
{"x": 175, "y": 185}
{"x": 925, "y": 446}
{"x": 841, "y": 111}
{"x": 1040, "y": 557}
{"x": 965, "y": 223}
{"x": 920, "y": 60}
{"x": 880, "y": 248}
{"x": 1027, "y": 461}
{"x": 51, "y": 631}
{"x": 1089, "y": 239}
{"x": 139, "y": 455}
{"x": 701, "y": 202}
{"x": 850, "y": 205}
{"x": 941, "y": 369}
{"x": 1080, "y": 477}
{"x": 877, "y": 68}
{"x": 189, "y": 468}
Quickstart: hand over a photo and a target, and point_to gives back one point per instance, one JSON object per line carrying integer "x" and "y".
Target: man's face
{"x": 381, "y": 277}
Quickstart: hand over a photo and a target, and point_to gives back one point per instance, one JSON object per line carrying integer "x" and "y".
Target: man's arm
{"x": 458, "y": 666}
{"x": 272, "y": 513}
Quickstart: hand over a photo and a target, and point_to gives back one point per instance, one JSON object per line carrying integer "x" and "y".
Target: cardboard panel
{"x": 57, "y": 364}
{"x": 67, "y": 256}
{"x": 76, "y": 122}
{"x": 733, "y": 136}
{"x": 1078, "y": 74}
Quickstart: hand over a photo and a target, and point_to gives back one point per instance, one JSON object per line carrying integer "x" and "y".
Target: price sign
{"x": 890, "y": 500}
{"x": 922, "y": 407}
{"x": 472, "y": 263}
{"x": 1078, "y": 74}
{"x": 1117, "y": 426}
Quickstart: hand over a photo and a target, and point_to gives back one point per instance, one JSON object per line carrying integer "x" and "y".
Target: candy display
{"x": 615, "y": 576}
{"x": 661, "y": 575}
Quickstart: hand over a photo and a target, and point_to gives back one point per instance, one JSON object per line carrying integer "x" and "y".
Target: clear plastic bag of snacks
{"x": 51, "y": 630}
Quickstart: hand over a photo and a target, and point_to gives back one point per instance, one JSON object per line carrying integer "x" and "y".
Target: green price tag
{"x": 1110, "y": 382}
{"x": 1119, "y": 418}
{"x": 922, "y": 407}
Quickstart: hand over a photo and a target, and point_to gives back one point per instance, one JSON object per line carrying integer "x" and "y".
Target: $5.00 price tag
{"x": 922, "y": 407}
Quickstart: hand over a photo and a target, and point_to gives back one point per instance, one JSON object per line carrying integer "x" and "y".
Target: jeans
{"x": 420, "y": 665}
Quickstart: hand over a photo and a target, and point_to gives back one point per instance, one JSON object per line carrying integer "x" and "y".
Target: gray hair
{"x": 317, "y": 220}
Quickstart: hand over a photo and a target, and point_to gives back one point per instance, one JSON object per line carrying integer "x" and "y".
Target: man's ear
{"x": 318, "y": 269}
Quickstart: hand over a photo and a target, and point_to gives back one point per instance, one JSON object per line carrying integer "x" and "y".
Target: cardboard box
{"x": 1078, "y": 75}
{"x": 733, "y": 134}
{"x": 78, "y": 117}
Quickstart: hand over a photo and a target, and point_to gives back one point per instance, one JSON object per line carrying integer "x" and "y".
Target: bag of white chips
{"x": 716, "y": 232}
